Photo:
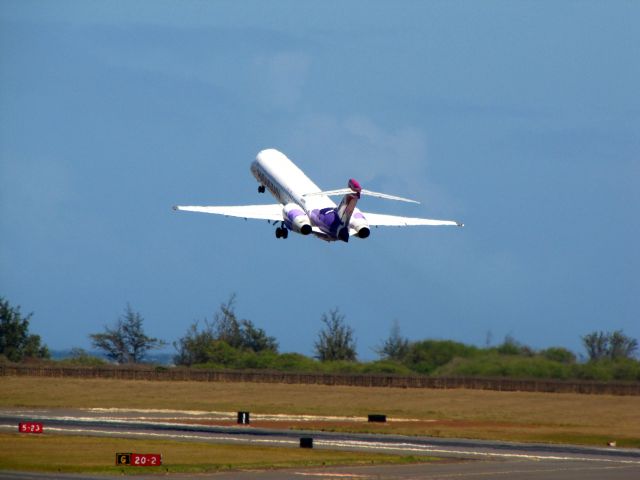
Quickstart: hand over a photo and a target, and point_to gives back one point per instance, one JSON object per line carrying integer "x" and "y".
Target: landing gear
{"x": 261, "y": 189}
{"x": 282, "y": 232}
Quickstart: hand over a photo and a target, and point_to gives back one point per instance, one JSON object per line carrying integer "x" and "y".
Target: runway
{"x": 467, "y": 458}
{"x": 525, "y": 470}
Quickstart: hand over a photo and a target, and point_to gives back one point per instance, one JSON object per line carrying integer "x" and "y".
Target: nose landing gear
{"x": 261, "y": 189}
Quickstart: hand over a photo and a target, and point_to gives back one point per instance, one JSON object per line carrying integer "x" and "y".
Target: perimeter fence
{"x": 344, "y": 379}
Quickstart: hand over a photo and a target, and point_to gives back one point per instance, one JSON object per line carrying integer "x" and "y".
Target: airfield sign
{"x": 139, "y": 459}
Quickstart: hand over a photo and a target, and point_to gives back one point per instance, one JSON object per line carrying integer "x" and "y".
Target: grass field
{"x": 520, "y": 416}
{"x": 97, "y": 455}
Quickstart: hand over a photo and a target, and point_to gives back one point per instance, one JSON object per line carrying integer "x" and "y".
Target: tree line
{"x": 227, "y": 341}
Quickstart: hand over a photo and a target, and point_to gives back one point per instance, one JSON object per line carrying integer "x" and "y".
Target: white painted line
{"x": 150, "y": 410}
{"x": 116, "y": 433}
{"x": 336, "y": 475}
{"x": 278, "y": 417}
{"x": 350, "y": 444}
{"x": 409, "y": 447}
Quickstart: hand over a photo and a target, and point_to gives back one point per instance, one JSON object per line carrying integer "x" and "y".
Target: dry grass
{"x": 590, "y": 419}
{"x": 97, "y": 455}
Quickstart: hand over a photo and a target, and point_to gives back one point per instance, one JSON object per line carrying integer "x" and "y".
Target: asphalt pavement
{"x": 466, "y": 459}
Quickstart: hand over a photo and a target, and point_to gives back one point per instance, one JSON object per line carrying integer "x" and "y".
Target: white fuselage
{"x": 286, "y": 182}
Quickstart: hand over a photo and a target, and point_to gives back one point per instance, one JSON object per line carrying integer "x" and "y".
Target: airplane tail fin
{"x": 345, "y": 210}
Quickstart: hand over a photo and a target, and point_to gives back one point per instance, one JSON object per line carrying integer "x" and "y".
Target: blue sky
{"x": 521, "y": 119}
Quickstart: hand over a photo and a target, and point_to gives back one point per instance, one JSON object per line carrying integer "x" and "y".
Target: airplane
{"x": 305, "y": 209}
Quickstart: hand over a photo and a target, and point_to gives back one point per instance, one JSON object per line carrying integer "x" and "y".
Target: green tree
{"x": 126, "y": 341}
{"x": 16, "y": 343}
{"x": 226, "y": 326}
{"x": 202, "y": 345}
{"x": 195, "y": 346}
{"x": 621, "y": 346}
{"x": 395, "y": 347}
{"x": 336, "y": 341}
{"x": 256, "y": 339}
{"x": 609, "y": 345}
{"x": 240, "y": 334}
{"x": 596, "y": 344}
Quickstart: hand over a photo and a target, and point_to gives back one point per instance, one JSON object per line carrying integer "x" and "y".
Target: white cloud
{"x": 356, "y": 146}
{"x": 281, "y": 77}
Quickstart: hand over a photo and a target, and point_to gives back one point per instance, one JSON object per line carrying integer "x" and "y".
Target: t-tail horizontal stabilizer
{"x": 345, "y": 191}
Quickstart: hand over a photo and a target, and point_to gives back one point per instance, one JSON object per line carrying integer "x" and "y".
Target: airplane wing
{"x": 259, "y": 212}
{"x": 380, "y": 220}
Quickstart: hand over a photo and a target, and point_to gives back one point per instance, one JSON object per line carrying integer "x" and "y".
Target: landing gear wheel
{"x": 261, "y": 189}
{"x": 278, "y": 232}
{"x": 285, "y": 233}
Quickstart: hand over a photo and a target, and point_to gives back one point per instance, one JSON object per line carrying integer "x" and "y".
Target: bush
{"x": 606, "y": 370}
{"x": 340, "y": 366}
{"x": 221, "y": 353}
{"x": 81, "y": 357}
{"x": 428, "y": 355}
{"x": 511, "y": 346}
{"x": 497, "y": 365}
{"x": 386, "y": 366}
{"x": 626, "y": 369}
{"x": 559, "y": 354}
{"x": 256, "y": 361}
{"x": 600, "y": 370}
{"x": 295, "y": 362}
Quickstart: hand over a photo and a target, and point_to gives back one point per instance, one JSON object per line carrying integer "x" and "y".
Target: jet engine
{"x": 295, "y": 219}
{"x": 360, "y": 225}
